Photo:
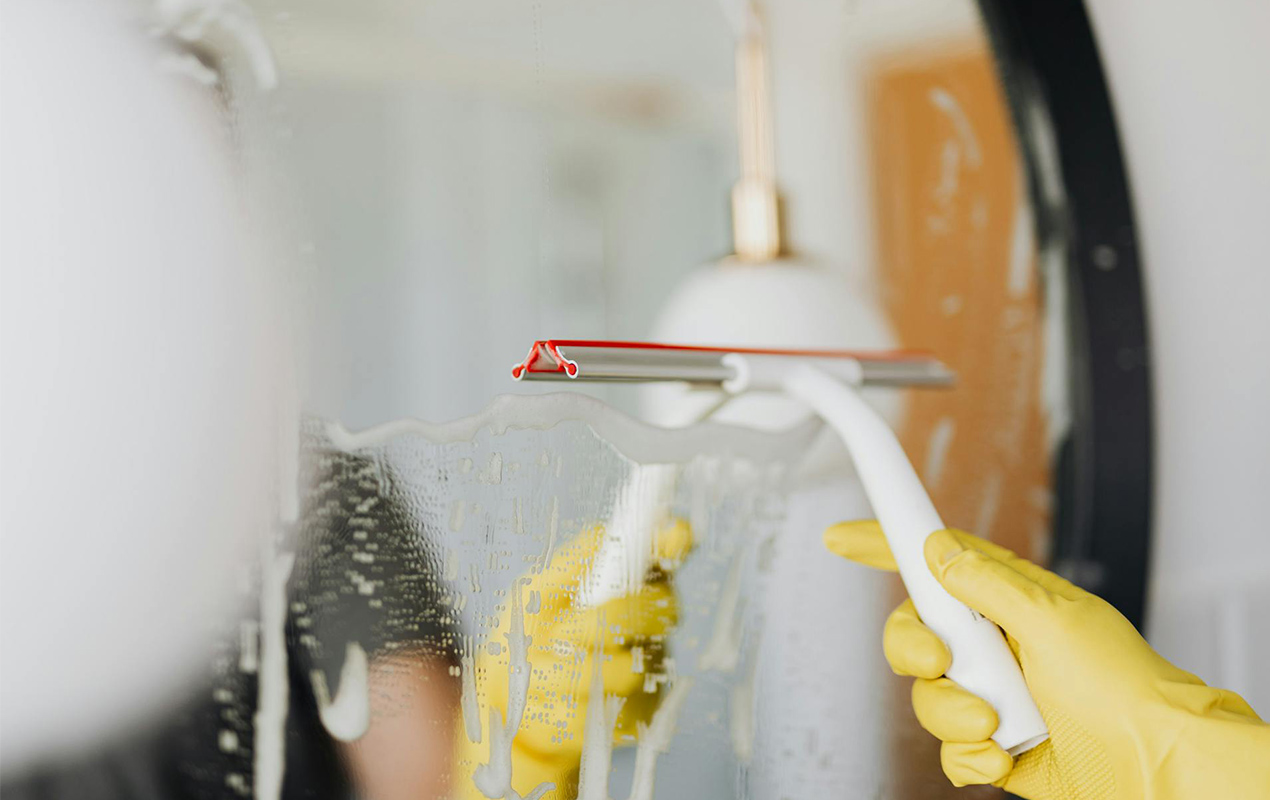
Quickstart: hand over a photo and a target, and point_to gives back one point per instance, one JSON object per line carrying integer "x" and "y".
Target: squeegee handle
{"x": 981, "y": 660}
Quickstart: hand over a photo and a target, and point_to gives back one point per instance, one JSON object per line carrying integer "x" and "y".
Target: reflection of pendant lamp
{"x": 756, "y": 234}
{"x": 762, "y": 295}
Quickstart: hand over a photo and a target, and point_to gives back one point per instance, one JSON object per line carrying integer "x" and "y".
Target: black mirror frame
{"x": 1049, "y": 66}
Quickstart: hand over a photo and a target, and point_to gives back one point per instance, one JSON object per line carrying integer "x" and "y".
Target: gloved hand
{"x": 1124, "y": 723}
{"x": 564, "y": 642}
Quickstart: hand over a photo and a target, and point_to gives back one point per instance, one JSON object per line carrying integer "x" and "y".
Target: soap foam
{"x": 637, "y": 441}
{"x": 494, "y": 778}
{"x": 347, "y": 717}
{"x": 274, "y": 690}
{"x": 724, "y": 648}
{"x": 597, "y": 732}
{"x": 655, "y": 739}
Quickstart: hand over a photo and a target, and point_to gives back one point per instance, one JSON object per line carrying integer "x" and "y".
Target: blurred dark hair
{"x": 366, "y": 571}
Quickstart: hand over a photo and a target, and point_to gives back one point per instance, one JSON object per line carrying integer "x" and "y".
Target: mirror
{"x": 476, "y": 589}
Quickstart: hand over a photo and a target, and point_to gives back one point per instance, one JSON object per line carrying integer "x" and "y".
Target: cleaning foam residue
{"x": 249, "y": 646}
{"x": 467, "y": 695}
{"x": 347, "y": 717}
{"x": 597, "y": 732}
{"x": 493, "y": 473}
{"x": 655, "y": 739}
{"x": 494, "y": 778}
{"x": 553, "y": 530}
{"x": 741, "y": 716}
{"x": 640, "y": 442}
{"x": 724, "y": 648}
{"x": 274, "y": 690}
{"x": 659, "y": 459}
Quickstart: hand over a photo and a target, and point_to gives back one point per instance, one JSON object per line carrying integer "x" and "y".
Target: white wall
{"x": 1188, "y": 82}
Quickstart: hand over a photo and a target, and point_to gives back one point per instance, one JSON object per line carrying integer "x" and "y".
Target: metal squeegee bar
{"x": 610, "y": 361}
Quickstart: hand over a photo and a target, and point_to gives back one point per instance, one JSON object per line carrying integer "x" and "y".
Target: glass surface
{"x": 461, "y": 178}
{"x": 419, "y": 545}
{"x": 434, "y": 185}
{"x": 419, "y": 550}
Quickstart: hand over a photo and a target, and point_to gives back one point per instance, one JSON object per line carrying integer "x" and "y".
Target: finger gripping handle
{"x": 982, "y": 662}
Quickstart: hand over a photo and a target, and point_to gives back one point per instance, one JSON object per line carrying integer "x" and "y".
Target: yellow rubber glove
{"x": 547, "y": 747}
{"x": 1124, "y": 723}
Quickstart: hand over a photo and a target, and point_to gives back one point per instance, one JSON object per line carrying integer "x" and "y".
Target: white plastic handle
{"x": 981, "y": 660}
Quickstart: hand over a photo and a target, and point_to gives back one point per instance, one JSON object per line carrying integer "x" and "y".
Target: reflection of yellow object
{"x": 1124, "y": 723}
{"x": 630, "y": 632}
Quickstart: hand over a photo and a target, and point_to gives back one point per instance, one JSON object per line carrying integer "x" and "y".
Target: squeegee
{"x": 827, "y": 382}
